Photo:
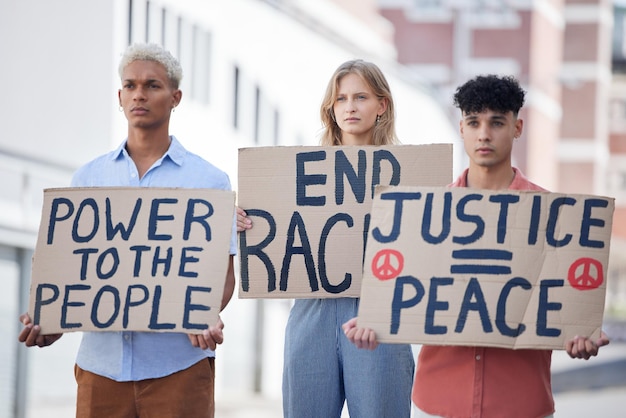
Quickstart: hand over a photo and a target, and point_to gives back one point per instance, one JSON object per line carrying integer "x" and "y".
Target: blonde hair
{"x": 384, "y": 131}
{"x": 156, "y": 53}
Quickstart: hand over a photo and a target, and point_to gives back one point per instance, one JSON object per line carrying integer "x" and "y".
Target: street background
{"x": 255, "y": 72}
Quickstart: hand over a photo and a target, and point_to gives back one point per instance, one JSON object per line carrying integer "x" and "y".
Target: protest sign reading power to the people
{"x": 310, "y": 212}
{"x": 474, "y": 267}
{"x": 136, "y": 259}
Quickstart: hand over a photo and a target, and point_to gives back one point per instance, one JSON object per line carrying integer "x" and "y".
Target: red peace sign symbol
{"x": 583, "y": 278}
{"x": 387, "y": 264}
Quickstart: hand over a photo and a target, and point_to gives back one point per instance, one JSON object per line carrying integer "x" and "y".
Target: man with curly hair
{"x": 486, "y": 382}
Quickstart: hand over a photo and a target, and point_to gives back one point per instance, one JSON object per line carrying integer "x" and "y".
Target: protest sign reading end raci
{"x": 310, "y": 212}
{"x": 134, "y": 259}
{"x": 513, "y": 269}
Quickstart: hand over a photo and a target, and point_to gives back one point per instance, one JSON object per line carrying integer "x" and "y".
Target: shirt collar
{"x": 175, "y": 152}
{"x": 519, "y": 180}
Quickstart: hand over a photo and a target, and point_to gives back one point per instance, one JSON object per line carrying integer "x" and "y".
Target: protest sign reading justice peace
{"x": 134, "y": 259}
{"x": 457, "y": 266}
{"x": 310, "y": 212}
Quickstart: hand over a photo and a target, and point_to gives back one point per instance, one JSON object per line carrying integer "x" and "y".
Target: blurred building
{"x": 255, "y": 72}
{"x": 574, "y": 137}
{"x": 616, "y": 166}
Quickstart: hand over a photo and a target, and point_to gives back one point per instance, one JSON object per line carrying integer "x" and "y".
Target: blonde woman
{"x": 322, "y": 368}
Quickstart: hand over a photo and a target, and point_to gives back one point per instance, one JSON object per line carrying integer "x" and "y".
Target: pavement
{"x": 247, "y": 406}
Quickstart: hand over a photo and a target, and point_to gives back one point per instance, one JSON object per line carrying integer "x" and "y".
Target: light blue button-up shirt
{"x": 126, "y": 356}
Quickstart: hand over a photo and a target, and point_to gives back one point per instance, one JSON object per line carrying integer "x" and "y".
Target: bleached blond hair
{"x": 156, "y": 53}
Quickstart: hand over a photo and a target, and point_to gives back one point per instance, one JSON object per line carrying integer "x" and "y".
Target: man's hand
{"x": 584, "y": 347}
{"x": 30, "y": 334}
{"x": 361, "y": 337}
{"x": 209, "y": 338}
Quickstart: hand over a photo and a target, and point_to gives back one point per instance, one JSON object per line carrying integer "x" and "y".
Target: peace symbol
{"x": 387, "y": 264}
{"x": 590, "y": 276}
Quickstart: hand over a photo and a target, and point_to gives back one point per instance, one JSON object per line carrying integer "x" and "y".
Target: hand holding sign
{"x": 584, "y": 347}
{"x": 243, "y": 222}
{"x": 31, "y": 336}
{"x": 361, "y": 337}
{"x": 209, "y": 337}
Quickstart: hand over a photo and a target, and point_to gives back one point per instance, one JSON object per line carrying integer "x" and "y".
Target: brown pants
{"x": 187, "y": 393}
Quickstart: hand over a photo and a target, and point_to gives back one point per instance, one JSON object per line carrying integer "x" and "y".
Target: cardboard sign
{"x": 131, "y": 259}
{"x": 457, "y": 266}
{"x": 310, "y": 212}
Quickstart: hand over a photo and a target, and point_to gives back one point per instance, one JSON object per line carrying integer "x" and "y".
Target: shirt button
{"x": 133, "y": 175}
{"x": 478, "y": 357}
{"x": 126, "y": 337}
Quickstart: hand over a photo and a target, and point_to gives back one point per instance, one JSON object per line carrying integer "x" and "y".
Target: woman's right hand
{"x": 243, "y": 222}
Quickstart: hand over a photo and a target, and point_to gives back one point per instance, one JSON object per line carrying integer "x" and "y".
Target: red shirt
{"x": 484, "y": 382}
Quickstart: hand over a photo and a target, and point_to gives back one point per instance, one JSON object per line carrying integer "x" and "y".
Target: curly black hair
{"x": 490, "y": 92}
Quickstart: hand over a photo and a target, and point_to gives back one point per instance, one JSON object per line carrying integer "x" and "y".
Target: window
{"x": 276, "y": 126}
{"x": 201, "y": 65}
{"x": 236, "y": 81}
{"x": 618, "y": 45}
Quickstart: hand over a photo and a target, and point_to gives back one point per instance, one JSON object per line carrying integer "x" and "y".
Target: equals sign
{"x": 481, "y": 255}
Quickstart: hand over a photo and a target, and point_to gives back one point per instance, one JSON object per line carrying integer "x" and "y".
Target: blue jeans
{"x": 323, "y": 369}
